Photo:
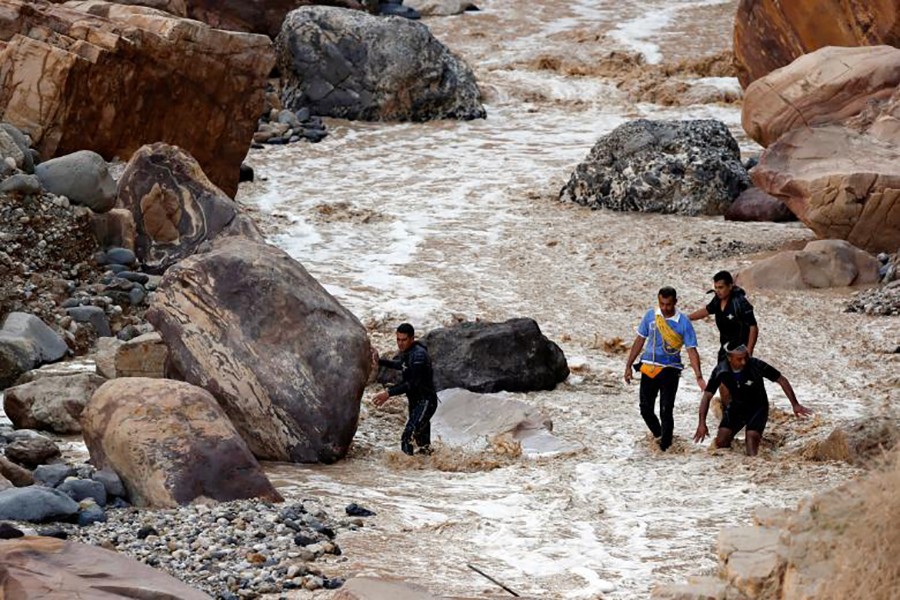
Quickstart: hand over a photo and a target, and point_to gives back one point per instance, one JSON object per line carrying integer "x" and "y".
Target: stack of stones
{"x": 885, "y": 299}
{"x": 35, "y": 487}
{"x": 278, "y": 125}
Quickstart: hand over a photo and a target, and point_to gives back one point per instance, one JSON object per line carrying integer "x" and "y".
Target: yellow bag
{"x": 651, "y": 371}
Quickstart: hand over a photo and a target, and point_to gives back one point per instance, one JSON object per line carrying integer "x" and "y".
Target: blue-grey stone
{"x": 49, "y": 344}
{"x": 21, "y": 184}
{"x": 36, "y": 504}
{"x": 83, "y": 177}
{"x": 141, "y": 278}
{"x": 52, "y": 475}
{"x": 111, "y": 481}
{"x": 137, "y": 295}
{"x": 121, "y": 256}
{"x": 118, "y": 269}
{"x": 91, "y": 514}
{"x": 93, "y": 315}
{"x": 81, "y": 489}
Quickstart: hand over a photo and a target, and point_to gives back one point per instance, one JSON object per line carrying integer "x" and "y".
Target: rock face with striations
{"x": 769, "y": 34}
{"x": 682, "y": 167}
{"x": 170, "y": 443}
{"x": 175, "y": 207}
{"x": 825, "y": 87}
{"x": 512, "y": 356}
{"x": 254, "y": 16}
{"x": 281, "y": 355}
{"x": 352, "y": 65}
{"x": 840, "y": 183}
{"x": 110, "y": 78}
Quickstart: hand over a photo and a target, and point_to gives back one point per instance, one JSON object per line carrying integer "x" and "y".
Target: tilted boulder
{"x": 353, "y": 65}
{"x": 51, "y": 403}
{"x": 170, "y": 443}
{"x": 828, "y": 86}
{"x": 175, "y": 207}
{"x": 682, "y": 167}
{"x": 53, "y": 569}
{"x": 114, "y": 77}
{"x": 821, "y": 264}
{"x": 840, "y": 183}
{"x": 769, "y": 34}
{"x": 756, "y": 205}
{"x": 512, "y": 356}
{"x": 281, "y": 355}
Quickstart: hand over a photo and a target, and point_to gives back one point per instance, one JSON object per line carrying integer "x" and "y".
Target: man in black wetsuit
{"x": 417, "y": 384}
{"x": 749, "y": 406}
{"x": 734, "y": 318}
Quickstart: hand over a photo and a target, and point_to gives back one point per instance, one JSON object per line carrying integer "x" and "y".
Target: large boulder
{"x": 755, "y": 205}
{"x": 53, "y": 569}
{"x": 769, "y": 34}
{"x": 114, "y": 77}
{"x": 825, "y": 87}
{"x": 512, "y": 356}
{"x": 682, "y": 167}
{"x": 840, "y": 183}
{"x": 282, "y": 356}
{"x": 353, "y": 65}
{"x": 821, "y": 264}
{"x": 477, "y": 422}
{"x": 170, "y": 443}
{"x": 82, "y": 177}
{"x": 175, "y": 207}
{"x": 51, "y": 403}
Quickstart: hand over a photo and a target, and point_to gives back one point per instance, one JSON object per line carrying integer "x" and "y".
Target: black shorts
{"x": 753, "y": 416}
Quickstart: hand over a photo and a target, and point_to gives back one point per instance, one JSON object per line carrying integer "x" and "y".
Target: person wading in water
{"x": 417, "y": 384}
{"x": 749, "y": 407}
{"x": 734, "y": 319}
{"x": 667, "y": 330}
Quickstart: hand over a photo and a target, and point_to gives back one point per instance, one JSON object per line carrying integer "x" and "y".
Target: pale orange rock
{"x": 769, "y": 34}
{"x": 110, "y": 78}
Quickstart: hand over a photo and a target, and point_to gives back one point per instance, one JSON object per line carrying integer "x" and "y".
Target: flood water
{"x": 431, "y": 223}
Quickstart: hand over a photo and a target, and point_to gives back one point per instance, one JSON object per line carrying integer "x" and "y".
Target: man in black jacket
{"x": 734, "y": 319}
{"x": 417, "y": 384}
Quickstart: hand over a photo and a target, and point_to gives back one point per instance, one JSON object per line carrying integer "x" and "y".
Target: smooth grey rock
{"x": 81, "y": 489}
{"x": 52, "y": 475}
{"x": 36, "y": 504}
{"x": 82, "y": 177}
{"x": 111, "y": 482}
{"x": 94, "y": 315}
{"x": 50, "y": 346}
{"x": 21, "y": 183}
{"x": 120, "y": 256}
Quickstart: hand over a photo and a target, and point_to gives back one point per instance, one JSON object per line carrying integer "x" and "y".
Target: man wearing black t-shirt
{"x": 749, "y": 406}
{"x": 734, "y": 318}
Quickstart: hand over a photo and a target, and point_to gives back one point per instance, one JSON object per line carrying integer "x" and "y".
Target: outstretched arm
{"x": 700, "y": 313}
{"x": 636, "y": 348}
{"x": 799, "y": 409}
{"x": 702, "y": 431}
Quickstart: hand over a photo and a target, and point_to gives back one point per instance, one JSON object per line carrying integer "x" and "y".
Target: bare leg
{"x": 752, "y": 441}
{"x": 724, "y": 437}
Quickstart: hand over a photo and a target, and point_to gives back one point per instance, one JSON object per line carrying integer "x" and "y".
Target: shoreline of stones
{"x": 229, "y": 550}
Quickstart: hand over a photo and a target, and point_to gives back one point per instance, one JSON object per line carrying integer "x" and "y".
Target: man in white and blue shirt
{"x": 667, "y": 331}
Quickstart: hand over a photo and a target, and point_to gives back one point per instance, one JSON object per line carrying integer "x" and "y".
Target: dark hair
{"x": 406, "y": 329}
{"x": 668, "y": 292}
{"x": 723, "y": 276}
